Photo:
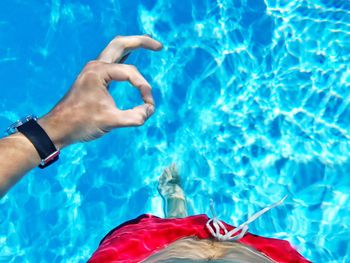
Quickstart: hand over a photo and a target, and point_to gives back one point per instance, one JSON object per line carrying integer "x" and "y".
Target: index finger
{"x": 120, "y": 46}
{"x": 122, "y": 72}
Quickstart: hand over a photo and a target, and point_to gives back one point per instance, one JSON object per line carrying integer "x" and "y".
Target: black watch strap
{"x": 41, "y": 141}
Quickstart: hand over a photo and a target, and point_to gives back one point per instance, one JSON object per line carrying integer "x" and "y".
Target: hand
{"x": 88, "y": 111}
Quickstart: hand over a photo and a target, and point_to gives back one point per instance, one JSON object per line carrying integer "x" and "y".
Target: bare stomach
{"x": 197, "y": 250}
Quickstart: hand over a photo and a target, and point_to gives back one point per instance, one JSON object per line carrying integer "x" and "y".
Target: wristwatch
{"x": 30, "y": 128}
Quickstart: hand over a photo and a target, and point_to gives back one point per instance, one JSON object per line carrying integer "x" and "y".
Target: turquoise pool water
{"x": 252, "y": 103}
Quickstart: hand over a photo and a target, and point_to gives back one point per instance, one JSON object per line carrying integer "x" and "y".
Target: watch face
{"x": 13, "y": 127}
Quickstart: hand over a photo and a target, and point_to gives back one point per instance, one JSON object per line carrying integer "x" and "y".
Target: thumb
{"x": 132, "y": 117}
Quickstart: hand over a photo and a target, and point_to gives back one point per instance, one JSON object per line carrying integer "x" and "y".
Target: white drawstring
{"x": 230, "y": 235}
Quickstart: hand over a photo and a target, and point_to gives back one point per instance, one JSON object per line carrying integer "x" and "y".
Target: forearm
{"x": 17, "y": 156}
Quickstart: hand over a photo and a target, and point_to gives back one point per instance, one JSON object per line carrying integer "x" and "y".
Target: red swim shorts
{"x": 137, "y": 239}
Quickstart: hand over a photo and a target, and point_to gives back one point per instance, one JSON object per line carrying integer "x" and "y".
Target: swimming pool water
{"x": 252, "y": 104}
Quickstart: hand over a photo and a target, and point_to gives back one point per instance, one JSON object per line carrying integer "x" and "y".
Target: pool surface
{"x": 252, "y": 104}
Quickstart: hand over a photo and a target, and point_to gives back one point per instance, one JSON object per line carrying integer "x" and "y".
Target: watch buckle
{"x": 50, "y": 158}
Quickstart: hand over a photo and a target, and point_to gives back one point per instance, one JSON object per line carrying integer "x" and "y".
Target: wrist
{"x": 52, "y": 126}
